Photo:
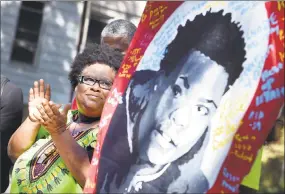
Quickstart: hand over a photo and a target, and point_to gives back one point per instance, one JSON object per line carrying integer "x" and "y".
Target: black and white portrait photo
{"x": 157, "y": 137}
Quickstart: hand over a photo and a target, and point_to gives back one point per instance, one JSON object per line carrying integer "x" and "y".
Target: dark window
{"x": 94, "y": 31}
{"x": 28, "y": 29}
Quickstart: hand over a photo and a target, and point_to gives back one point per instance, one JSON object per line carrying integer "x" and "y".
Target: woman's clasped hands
{"x": 46, "y": 112}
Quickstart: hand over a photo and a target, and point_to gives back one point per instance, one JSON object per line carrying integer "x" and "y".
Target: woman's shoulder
{"x": 88, "y": 138}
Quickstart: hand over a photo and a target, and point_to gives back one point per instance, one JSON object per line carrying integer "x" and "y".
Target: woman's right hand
{"x": 38, "y": 95}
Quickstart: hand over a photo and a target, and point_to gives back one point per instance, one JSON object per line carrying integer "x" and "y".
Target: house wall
{"x": 129, "y": 10}
{"x": 57, "y": 47}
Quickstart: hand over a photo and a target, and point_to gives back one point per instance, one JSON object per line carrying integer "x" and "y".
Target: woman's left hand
{"x": 52, "y": 119}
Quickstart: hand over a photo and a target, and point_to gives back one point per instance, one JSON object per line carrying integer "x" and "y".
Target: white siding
{"x": 56, "y": 48}
{"x": 9, "y": 18}
{"x": 129, "y": 10}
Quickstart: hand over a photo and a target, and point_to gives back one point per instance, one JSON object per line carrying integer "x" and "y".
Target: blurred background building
{"x": 40, "y": 39}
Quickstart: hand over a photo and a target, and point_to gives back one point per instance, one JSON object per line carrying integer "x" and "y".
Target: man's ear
{"x": 159, "y": 79}
{"x": 75, "y": 89}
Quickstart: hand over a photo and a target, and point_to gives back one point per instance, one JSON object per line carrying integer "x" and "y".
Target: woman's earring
{"x": 155, "y": 86}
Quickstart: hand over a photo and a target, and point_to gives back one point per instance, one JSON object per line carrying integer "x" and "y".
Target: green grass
{"x": 272, "y": 173}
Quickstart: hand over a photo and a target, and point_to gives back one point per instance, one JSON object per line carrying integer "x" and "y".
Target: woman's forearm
{"x": 23, "y": 138}
{"x": 74, "y": 156}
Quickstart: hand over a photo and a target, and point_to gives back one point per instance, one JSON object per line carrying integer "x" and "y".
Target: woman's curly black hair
{"x": 94, "y": 54}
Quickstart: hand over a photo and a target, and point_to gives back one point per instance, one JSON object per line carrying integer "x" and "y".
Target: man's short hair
{"x": 119, "y": 28}
{"x": 214, "y": 35}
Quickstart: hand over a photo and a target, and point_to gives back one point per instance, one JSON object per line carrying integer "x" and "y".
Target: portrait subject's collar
{"x": 140, "y": 177}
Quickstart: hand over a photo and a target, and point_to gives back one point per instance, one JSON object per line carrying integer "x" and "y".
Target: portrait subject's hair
{"x": 91, "y": 55}
{"x": 119, "y": 28}
{"x": 214, "y": 35}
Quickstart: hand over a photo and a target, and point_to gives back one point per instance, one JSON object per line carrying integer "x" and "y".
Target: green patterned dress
{"x": 41, "y": 170}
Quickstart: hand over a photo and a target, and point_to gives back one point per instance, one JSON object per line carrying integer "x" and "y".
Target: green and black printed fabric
{"x": 41, "y": 170}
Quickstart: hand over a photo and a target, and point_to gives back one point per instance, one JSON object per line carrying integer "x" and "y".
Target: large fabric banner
{"x": 194, "y": 100}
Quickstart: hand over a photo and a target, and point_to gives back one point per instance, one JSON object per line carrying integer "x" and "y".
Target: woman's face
{"x": 91, "y": 98}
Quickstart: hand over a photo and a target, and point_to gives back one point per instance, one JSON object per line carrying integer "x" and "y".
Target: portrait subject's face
{"x": 184, "y": 110}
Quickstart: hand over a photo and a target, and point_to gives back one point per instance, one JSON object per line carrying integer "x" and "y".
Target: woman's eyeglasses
{"x": 104, "y": 84}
